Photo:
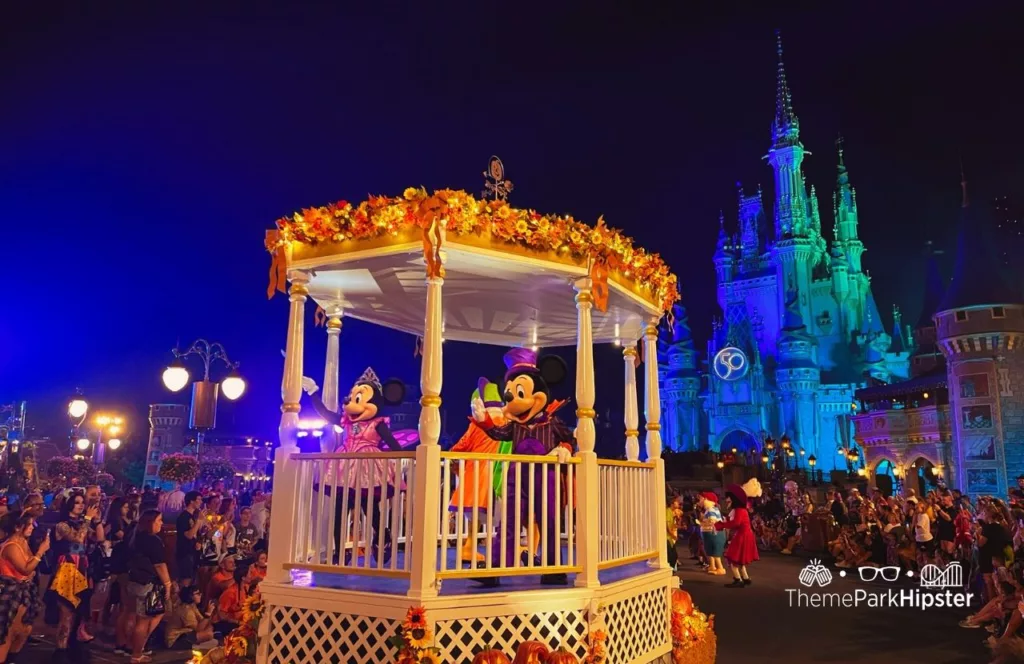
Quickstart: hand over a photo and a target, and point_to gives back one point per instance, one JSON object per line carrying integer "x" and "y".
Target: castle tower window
{"x": 998, "y": 312}
{"x": 961, "y": 316}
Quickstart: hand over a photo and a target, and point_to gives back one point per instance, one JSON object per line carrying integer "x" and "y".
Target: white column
{"x": 632, "y": 415}
{"x": 427, "y": 486}
{"x": 285, "y": 471}
{"x": 652, "y": 413}
{"x": 329, "y": 441}
{"x": 587, "y": 495}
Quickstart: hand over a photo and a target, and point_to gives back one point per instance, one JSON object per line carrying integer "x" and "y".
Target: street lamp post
{"x": 721, "y": 469}
{"x": 203, "y": 412}
{"x": 78, "y": 408}
{"x": 811, "y": 462}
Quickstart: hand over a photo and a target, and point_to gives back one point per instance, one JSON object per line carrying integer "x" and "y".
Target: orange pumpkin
{"x": 532, "y": 652}
{"x": 491, "y": 657}
{"x": 682, "y": 602}
{"x": 562, "y": 656}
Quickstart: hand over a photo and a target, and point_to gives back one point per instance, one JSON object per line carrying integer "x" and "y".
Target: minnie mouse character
{"x": 364, "y": 429}
{"x": 534, "y": 430}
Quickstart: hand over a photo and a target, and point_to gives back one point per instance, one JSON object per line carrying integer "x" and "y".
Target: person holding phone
{"x": 70, "y": 588}
{"x": 19, "y": 594}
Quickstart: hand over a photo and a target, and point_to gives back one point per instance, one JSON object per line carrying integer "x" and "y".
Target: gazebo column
{"x": 652, "y": 413}
{"x": 282, "y": 527}
{"x": 632, "y": 414}
{"x": 427, "y": 478}
{"x": 587, "y": 495}
{"x": 329, "y": 441}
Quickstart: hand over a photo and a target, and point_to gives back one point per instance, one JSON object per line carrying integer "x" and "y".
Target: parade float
{"x": 588, "y": 578}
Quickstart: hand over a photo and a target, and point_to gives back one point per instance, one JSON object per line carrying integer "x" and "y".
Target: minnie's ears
{"x": 552, "y": 369}
{"x": 393, "y": 392}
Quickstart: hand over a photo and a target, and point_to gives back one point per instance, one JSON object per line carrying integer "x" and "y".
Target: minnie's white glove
{"x": 309, "y": 385}
{"x": 479, "y": 412}
{"x": 562, "y": 454}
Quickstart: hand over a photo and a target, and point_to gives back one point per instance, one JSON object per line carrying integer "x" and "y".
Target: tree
{"x": 216, "y": 469}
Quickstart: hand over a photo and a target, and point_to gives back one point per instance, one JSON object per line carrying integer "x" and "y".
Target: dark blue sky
{"x": 147, "y": 146}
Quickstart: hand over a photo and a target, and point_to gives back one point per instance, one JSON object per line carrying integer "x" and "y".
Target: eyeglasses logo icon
{"x": 890, "y": 573}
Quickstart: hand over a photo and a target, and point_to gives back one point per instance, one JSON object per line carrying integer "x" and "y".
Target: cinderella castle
{"x": 800, "y": 330}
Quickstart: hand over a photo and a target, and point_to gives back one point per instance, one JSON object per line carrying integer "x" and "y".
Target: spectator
{"x": 231, "y": 602}
{"x": 246, "y": 534}
{"x": 147, "y": 571}
{"x": 19, "y": 593}
{"x": 187, "y": 625}
{"x": 923, "y": 535}
{"x": 70, "y": 587}
{"x": 188, "y": 525}
{"x": 259, "y": 568}
{"x": 221, "y": 579}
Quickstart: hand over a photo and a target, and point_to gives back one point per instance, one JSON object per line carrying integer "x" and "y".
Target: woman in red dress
{"x": 742, "y": 548}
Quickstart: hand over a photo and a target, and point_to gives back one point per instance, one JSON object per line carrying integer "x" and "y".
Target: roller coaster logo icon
{"x": 932, "y": 576}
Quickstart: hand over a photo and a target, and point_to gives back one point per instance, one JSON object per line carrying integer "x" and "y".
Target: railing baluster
{"x": 489, "y": 494}
{"x": 357, "y": 510}
{"x": 558, "y": 513}
{"x": 386, "y": 483}
{"x": 544, "y": 534}
{"x": 446, "y": 512}
{"x": 570, "y": 514}
{"x": 318, "y": 517}
{"x": 326, "y": 484}
{"x": 460, "y": 517}
{"x": 410, "y": 464}
{"x": 474, "y": 531}
{"x": 518, "y": 498}
{"x": 502, "y": 504}
{"x": 341, "y": 489}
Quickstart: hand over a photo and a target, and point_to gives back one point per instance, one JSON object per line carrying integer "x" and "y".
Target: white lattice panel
{"x": 309, "y": 636}
{"x": 460, "y": 639}
{"x": 637, "y": 626}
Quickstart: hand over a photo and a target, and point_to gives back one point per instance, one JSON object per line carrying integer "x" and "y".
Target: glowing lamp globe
{"x": 721, "y": 465}
{"x": 78, "y": 408}
{"x": 114, "y": 443}
{"x": 175, "y": 377}
{"x": 82, "y": 444}
{"x": 233, "y": 387}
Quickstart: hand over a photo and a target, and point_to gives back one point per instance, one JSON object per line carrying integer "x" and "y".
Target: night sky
{"x": 148, "y": 146}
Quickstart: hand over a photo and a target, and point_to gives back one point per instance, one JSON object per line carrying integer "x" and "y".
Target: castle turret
{"x": 980, "y": 329}
{"x": 794, "y": 250}
{"x": 927, "y": 357}
{"x": 725, "y": 262}
{"x": 751, "y": 212}
{"x": 680, "y": 386}
{"x": 798, "y": 377}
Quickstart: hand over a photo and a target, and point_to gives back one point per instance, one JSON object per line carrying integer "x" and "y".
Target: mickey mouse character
{"x": 364, "y": 429}
{"x": 534, "y": 430}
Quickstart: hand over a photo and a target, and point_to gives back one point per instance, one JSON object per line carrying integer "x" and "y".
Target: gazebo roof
{"x": 508, "y": 272}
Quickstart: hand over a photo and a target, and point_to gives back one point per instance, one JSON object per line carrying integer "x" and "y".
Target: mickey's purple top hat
{"x": 518, "y": 359}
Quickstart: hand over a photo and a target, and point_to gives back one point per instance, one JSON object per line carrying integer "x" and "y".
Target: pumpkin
{"x": 682, "y": 602}
{"x": 562, "y": 656}
{"x": 491, "y": 657}
{"x": 532, "y": 652}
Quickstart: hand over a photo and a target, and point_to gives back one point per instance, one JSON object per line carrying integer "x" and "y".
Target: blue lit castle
{"x": 800, "y": 331}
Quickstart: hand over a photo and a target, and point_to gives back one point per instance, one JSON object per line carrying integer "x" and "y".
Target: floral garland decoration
{"x": 414, "y": 640}
{"x": 461, "y": 214}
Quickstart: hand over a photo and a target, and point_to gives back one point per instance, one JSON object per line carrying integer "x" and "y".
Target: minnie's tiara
{"x": 370, "y": 376}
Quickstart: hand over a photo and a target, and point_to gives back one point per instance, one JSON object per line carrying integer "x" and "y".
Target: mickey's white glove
{"x": 309, "y": 385}
{"x": 479, "y": 412}
{"x": 562, "y": 454}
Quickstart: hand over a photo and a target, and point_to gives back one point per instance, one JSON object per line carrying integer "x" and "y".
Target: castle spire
{"x": 786, "y": 130}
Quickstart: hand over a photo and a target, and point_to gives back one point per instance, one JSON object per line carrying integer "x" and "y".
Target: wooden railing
{"x": 626, "y": 513}
{"x": 501, "y": 530}
{"x": 354, "y": 513}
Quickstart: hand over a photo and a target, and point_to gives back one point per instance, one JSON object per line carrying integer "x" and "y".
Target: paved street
{"x": 98, "y": 654}
{"x": 756, "y": 623}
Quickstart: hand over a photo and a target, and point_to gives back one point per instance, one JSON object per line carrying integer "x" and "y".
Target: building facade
{"x": 959, "y": 421}
{"x": 800, "y": 328}
{"x": 167, "y": 429}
